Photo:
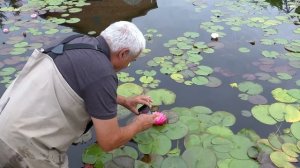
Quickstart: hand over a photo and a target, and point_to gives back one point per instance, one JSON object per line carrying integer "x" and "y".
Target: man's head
{"x": 126, "y": 42}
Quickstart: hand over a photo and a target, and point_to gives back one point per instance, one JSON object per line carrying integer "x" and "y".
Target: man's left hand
{"x": 132, "y": 102}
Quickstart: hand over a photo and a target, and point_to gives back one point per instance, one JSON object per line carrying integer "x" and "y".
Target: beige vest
{"x": 40, "y": 114}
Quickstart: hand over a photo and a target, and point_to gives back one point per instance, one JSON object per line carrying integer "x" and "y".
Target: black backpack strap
{"x": 66, "y": 40}
{"x": 59, "y": 49}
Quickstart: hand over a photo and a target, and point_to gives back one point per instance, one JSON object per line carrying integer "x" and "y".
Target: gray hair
{"x": 124, "y": 34}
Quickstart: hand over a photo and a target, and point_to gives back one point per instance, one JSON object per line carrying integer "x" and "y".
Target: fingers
{"x": 144, "y": 100}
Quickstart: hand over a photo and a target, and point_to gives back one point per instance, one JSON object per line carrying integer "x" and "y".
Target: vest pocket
{"x": 56, "y": 157}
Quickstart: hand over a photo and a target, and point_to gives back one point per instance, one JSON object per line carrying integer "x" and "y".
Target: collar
{"x": 103, "y": 46}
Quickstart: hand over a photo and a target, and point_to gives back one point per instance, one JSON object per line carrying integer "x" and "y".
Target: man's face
{"x": 122, "y": 59}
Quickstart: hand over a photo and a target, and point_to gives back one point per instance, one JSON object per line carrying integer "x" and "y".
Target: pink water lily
{"x": 161, "y": 118}
{"x": 34, "y": 16}
{"x": 5, "y": 30}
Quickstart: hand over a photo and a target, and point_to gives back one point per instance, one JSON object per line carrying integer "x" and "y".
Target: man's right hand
{"x": 144, "y": 121}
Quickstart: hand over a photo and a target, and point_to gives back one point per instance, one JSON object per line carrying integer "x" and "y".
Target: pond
{"x": 231, "y": 102}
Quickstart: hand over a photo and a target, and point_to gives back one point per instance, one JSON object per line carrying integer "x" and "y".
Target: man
{"x": 50, "y": 103}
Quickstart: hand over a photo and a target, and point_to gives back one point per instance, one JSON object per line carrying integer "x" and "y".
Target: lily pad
{"x": 295, "y": 127}
{"x": 290, "y": 149}
{"x": 250, "y": 88}
{"x": 175, "y": 131}
{"x": 281, "y": 159}
{"x": 281, "y": 95}
{"x": 235, "y": 163}
{"x": 261, "y": 113}
{"x": 292, "y": 113}
{"x": 129, "y": 89}
{"x": 244, "y": 50}
{"x": 200, "y": 80}
{"x": 161, "y": 96}
{"x": 174, "y": 162}
{"x": 270, "y": 54}
{"x": 200, "y": 157}
{"x": 161, "y": 145}
{"x": 277, "y": 111}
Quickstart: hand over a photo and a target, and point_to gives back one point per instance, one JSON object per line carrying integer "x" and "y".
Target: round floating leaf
{"x": 127, "y": 151}
{"x": 275, "y": 141}
{"x": 241, "y": 146}
{"x": 146, "y": 79}
{"x": 298, "y": 82}
{"x": 175, "y": 131}
{"x": 290, "y": 149}
{"x": 21, "y": 44}
{"x": 209, "y": 50}
{"x": 270, "y": 54}
{"x": 183, "y": 46}
{"x": 281, "y": 159}
{"x": 161, "y": 96}
{"x": 250, "y": 88}
{"x": 257, "y": 99}
{"x": 7, "y": 71}
{"x": 200, "y": 157}
{"x": 281, "y": 95}
{"x": 51, "y": 31}
{"x": 204, "y": 70}
{"x": 176, "y": 51}
{"x": 174, "y": 162}
{"x": 18, "y": 51}
{"x": 200, "y": 80}
{"x": 295, "y": 93}
{"x": 261, "y": 113}
{"x": 243, "y": 163}
{"x": 292, "y": 48}
{"x": 213, "y": 82}
{"x": 120, "y": 161}
{"x": 236, "y": 28}
{"x": 161, "y": 145}
{"x": 191, "y": 34}
{"x": 129, "y": 89}
{"x": 277, "y": 111}
{"x": 284, "y": 76}
{"x": 91, "y": 154}
{"x": 192, "y": 140}
{"x": 246, "y": 113}
{"x": 75, "y": 10}
{"x": 292, "y": 113}
{"x": 177, "y": 76}
{"x": 244, "y": 50}
{"x": 295, "y": 127}
{"x": 267, "y": 41}
{"x": 73, "y": 20}
{"x": 220, "y": 131}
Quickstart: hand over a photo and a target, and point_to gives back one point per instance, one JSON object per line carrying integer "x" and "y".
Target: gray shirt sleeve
{"x": 101, "y": 98}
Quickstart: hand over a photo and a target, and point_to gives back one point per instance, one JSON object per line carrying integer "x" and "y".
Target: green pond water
{"x": 231, "y": 103}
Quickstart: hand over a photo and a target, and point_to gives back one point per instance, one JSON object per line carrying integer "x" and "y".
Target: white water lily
{"x": 214, "y": 35}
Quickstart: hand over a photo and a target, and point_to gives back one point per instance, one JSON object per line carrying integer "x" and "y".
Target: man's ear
{"x": 124, "y": 53}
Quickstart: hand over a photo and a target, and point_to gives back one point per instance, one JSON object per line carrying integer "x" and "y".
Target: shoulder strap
{"x": 59, "y": 49}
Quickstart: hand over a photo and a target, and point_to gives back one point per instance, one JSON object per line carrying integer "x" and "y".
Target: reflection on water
{"x": 285, "y": 5}
{"x": 100, "y": 14}
{"x": 11, "y": 3}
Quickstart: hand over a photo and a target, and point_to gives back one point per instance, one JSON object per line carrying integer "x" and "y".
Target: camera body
{"x": 144, "y": 109}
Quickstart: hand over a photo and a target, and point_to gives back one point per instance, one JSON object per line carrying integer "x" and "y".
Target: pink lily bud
{"x": 161, "y": 118}
{"x": 5, "y": 30}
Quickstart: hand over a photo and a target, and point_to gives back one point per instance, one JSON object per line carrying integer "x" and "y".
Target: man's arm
{"x": 110, "y": 136}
